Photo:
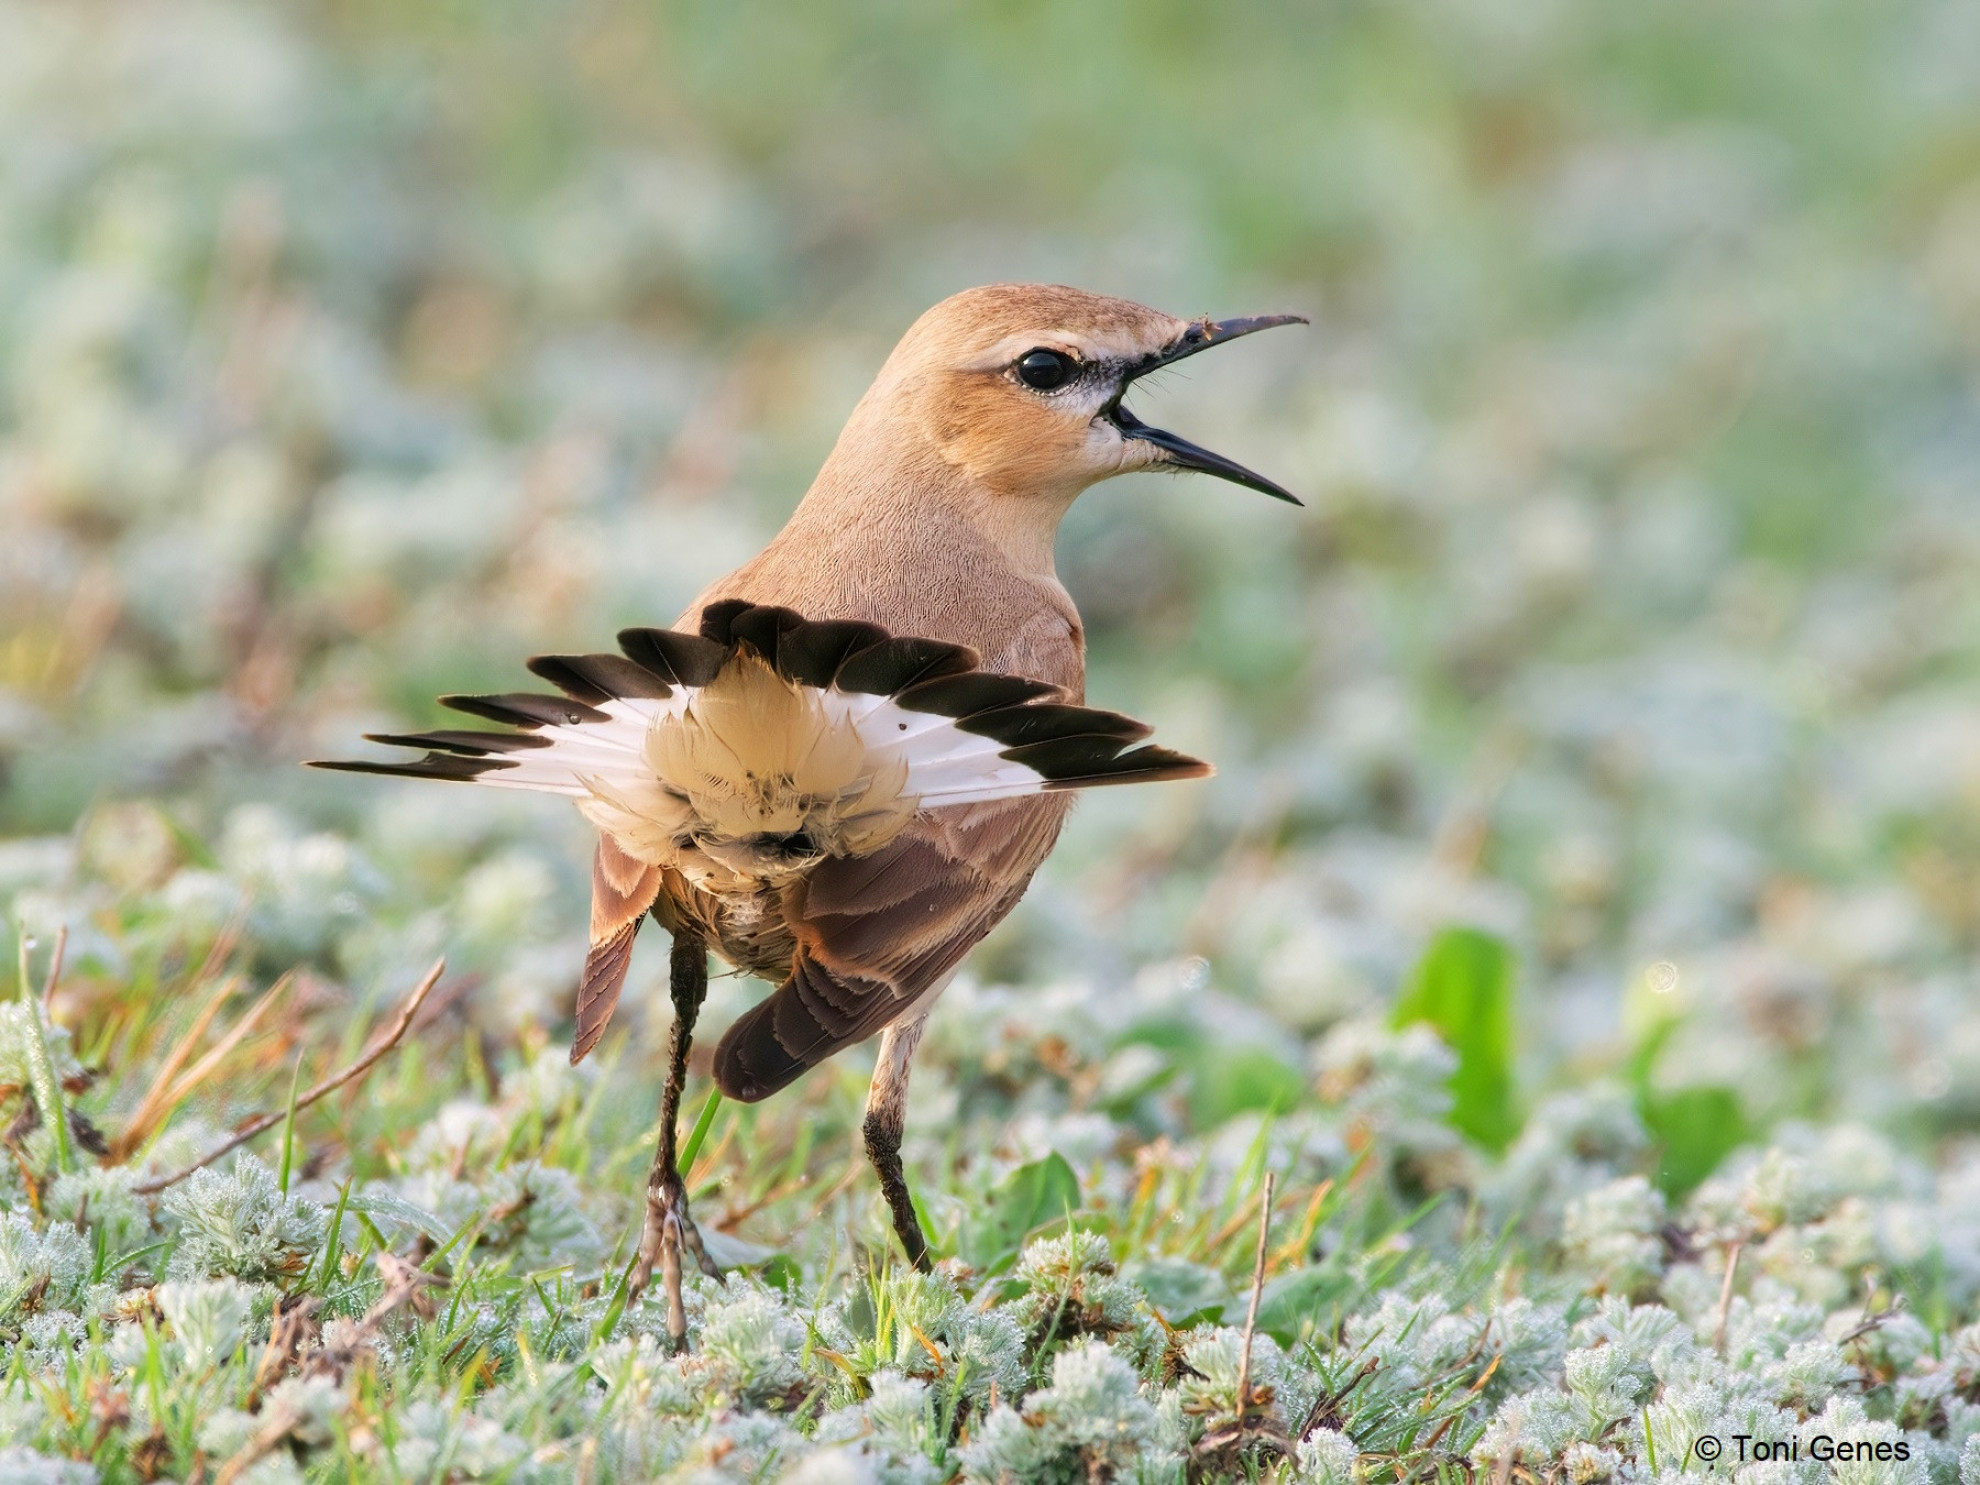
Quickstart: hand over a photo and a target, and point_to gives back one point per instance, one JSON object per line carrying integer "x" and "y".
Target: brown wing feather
{"x": 876, "y": 932}
{"x": 622, "y": 890}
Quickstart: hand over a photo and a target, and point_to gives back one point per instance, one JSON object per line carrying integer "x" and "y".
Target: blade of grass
{"x": 701, "y": 1123}
{"x": 125, "y": 1260}
{"x": 334, "y": 1239}
{"x": 289, "y": 1126}
{"x": 609, "y": 1321}
{"x": 41, "y": 1067}
{"x": 472, "y": 1226}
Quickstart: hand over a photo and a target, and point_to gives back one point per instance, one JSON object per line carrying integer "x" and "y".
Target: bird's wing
{"x": 876, "y": 932}
{"x": 622, "y": 890}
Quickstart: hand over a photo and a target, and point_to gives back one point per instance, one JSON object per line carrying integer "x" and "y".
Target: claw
{"x": 668, "y": 1232}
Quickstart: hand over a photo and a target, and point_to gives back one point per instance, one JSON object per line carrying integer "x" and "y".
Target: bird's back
{"x": 915, "y": 570}
{"x": 865, "y": 940}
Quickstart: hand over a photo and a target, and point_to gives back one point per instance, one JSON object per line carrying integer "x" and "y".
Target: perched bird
{"x": 842, "y": 766}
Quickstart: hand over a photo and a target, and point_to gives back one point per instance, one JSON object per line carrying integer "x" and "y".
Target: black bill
{"x": 1180, "y": 452}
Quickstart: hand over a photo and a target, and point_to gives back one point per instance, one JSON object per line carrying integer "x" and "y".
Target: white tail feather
{"x": 945, "y": 764}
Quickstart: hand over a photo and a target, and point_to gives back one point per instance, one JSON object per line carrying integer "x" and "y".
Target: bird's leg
{"x": 668, "y": 1229}
{"x": 886, "y": 1118}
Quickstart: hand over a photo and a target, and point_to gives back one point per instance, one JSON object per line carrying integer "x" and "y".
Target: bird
{"x": 842, "y": 765}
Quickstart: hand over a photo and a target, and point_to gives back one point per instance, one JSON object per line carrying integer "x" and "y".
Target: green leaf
{"x": 1029, "y": 1197}
{"x": 781, "y": 1271}
{"x": 1696, "y": 1128}
{"x": 1228, "y": 1081}
{"x": 1292, "y": 1304}
{"x": 1176, "y": 1286}
{"x": 375, "y": 1203}
{"x": 1463, "y": 988}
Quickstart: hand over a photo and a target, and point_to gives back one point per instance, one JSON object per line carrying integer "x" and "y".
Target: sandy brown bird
{"x": 842, "y": 766}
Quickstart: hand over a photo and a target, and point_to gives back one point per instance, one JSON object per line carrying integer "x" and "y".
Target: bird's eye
{"x": 1045, "y": 369}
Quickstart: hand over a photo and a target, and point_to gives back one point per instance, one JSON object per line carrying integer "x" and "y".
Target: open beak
{"x": 1180, "y": 453}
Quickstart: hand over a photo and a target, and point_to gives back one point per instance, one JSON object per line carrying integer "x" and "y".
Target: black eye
{"x": 1045, "y": 369}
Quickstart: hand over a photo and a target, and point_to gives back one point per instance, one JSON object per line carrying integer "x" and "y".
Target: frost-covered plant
{"x": 1418, "y": 1338}
{"x": 305, "y": 885}
{"x": 642, "y": 1378}
{"x": 1091, "y": 1422}
{"x": 1601, "y": 1387}
{"x": 1573, "y": 1142}
{"x": 101, "y": 1198}
{"x": 1326, "y": 1457}
{"x": 1207, "y": 1388}
{"x": 532, "y": 1212}
{"x": 1651, "y": 1341}
{"x": 751, "y": 1447}
{"x": 208, "y": 1318}
{"x": 923, "y": 1327}
{"x": 1526, "y": 1339}
{"x": 1764, "y": 1326}
{"x": 749, "y": 1348}
{"x": 897, "y": 1432}
{"x": 241, "y": 1224}
{"x": 1616, "y": 1233}
{"x": 1845, "y": 1422}
{"x": 1072, "y": 1289}
{"x": 284, "y": 448}
{"x": 1392, "y": 1081}
{"x": 21, "y": 1466}
{"x": 42, "y": 1269}
{"x": 471, "y": 1446}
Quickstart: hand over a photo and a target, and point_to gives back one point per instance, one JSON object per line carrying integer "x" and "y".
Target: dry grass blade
{"x": 1309, "y": 1224}
{"x": 321, "y": 1091}
{"x": 55, "y": 965}
{"x": 155, "y": 1106}
{"x": 1222, "y": 1452}
{"x": 290, "y": 1329}
{"x": 1726, "y": 1298}
{"x": 1251, "y": 1309}
{"x": 189, "y": 1081}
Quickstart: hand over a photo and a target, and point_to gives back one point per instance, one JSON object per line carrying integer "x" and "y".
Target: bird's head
{"x": 1021, "y": 387}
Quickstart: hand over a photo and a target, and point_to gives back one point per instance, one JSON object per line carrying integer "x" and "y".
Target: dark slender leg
{"x": 668, "y": 1228}
{"x": 886, "y": 1118}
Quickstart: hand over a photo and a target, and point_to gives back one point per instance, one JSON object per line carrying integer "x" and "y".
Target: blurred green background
{"x": 350, "y": 352}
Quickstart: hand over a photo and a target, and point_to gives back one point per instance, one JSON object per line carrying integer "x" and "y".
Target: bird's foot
{"x": 668, "y": 1233}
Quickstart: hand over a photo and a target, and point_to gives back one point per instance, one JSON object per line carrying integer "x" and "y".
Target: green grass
{"x": 422, "y": 1275}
